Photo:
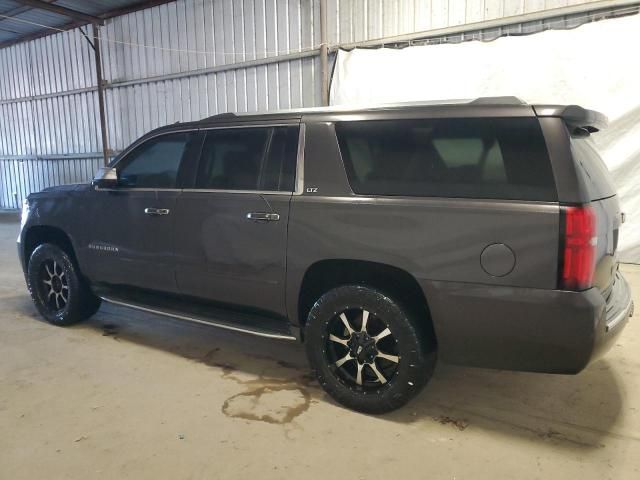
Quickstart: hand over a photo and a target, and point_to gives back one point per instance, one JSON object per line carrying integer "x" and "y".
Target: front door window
{"x": 155, "y": 163}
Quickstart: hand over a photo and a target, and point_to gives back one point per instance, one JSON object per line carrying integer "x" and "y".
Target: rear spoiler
{"x": 576, "y": 118}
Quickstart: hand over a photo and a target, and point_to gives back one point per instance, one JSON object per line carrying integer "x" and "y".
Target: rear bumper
{"x": 526, "y": 329}
{"x": 618, "y": 309}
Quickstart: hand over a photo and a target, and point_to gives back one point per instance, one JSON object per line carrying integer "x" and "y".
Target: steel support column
{"x": 324, "y": 53}
{"x": 100, "y": 83}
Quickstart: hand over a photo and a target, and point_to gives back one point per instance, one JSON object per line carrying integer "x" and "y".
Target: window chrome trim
{"x": 195, "y": 190}
{"x": 135, "y": 189}
{"x": 299, "y": 180}
{"x": 255, "y": 192}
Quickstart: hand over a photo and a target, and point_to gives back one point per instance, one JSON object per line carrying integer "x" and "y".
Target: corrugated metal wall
{"x": 229, "y": 32}
{"x": 49, "y": 127}
{"x": 359, "y": 20}
{"x": 37, "y": 123}
{"x": 208, "y": 56}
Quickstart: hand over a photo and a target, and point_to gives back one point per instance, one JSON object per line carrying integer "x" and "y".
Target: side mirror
{"x": 106, "y": 177}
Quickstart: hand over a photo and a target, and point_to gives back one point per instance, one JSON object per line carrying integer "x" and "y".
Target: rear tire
{"x": 58, "y": 290}
{"x": 373, "y": 368}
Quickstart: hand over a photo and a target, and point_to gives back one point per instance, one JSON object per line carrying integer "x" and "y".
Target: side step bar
{"x": 226, "y": 325}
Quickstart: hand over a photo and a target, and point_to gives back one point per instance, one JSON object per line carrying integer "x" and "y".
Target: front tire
{"x": 58, "y": 290}
{"x": 366, "y": 350}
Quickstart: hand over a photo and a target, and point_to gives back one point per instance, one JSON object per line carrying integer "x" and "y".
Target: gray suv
{"x": 484, "y": 231}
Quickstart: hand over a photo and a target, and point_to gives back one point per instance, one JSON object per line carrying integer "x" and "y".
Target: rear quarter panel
{"x": 434, "y": 239}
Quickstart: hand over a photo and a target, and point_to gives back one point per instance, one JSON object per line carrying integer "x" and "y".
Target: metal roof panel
{"x": 26, "y": 20}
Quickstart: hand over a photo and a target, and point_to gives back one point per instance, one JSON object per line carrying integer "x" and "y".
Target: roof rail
{"x": 506, "y": 100}
{"x": 489, "y": 101}
{"x": 222, "y": 116}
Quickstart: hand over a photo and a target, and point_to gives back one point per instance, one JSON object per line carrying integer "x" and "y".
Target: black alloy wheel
{"x": 367, "y": 350}
{"x": 59, "y": 292}
{"x": 361, "y": 349}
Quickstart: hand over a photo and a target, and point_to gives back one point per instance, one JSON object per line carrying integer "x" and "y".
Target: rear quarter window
{"x": 495, "y": 158}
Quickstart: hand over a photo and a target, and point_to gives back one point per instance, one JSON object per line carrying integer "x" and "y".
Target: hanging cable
{"x": 102, "y": 38}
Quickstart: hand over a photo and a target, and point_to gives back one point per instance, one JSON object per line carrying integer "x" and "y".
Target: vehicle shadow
{"x": 573, "y": 412}
{"x": 275, "y": 360}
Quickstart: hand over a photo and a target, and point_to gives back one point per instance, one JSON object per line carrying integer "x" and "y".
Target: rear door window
{"x": 260, "y": 158}
{"x": 468, "y": 158}
{"x": 279, "y": 171}
{"x": 231, "y": 159}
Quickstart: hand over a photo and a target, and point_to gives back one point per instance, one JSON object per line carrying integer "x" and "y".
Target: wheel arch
{"x": 325, "y": 275}
{"x": 40, "y": 234}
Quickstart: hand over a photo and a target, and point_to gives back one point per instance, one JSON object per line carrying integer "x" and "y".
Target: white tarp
{"x": 596, "y": 66}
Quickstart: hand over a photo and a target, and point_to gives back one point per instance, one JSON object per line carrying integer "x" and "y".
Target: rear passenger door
{"x": 231, "y": 227}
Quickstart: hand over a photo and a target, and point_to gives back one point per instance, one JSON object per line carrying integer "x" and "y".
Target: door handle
{"x": 154, "y": 212}
{"x": 263, "y": 217}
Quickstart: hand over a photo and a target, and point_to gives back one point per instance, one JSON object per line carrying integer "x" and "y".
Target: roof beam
{"x": 60, "y": 10}
{"x": 76, "y": 23}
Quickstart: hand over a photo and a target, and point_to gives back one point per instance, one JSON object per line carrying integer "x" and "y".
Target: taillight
{"x": 578, "y": 246}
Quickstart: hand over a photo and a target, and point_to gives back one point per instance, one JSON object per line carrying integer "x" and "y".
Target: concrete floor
{"x": 131, "y": 395}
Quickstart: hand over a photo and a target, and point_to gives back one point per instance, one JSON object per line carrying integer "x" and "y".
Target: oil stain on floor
{"x": 277, "y": 404}
{"x": 270, "y": 400}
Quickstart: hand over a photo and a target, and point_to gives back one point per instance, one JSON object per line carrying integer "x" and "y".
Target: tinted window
{"x": 595, "y": 174}
{"x": 479, "y": 158}
{"x": 155, "y": 163}
{"x": 248, "y": 159}
{"x": 280, "y": 166}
